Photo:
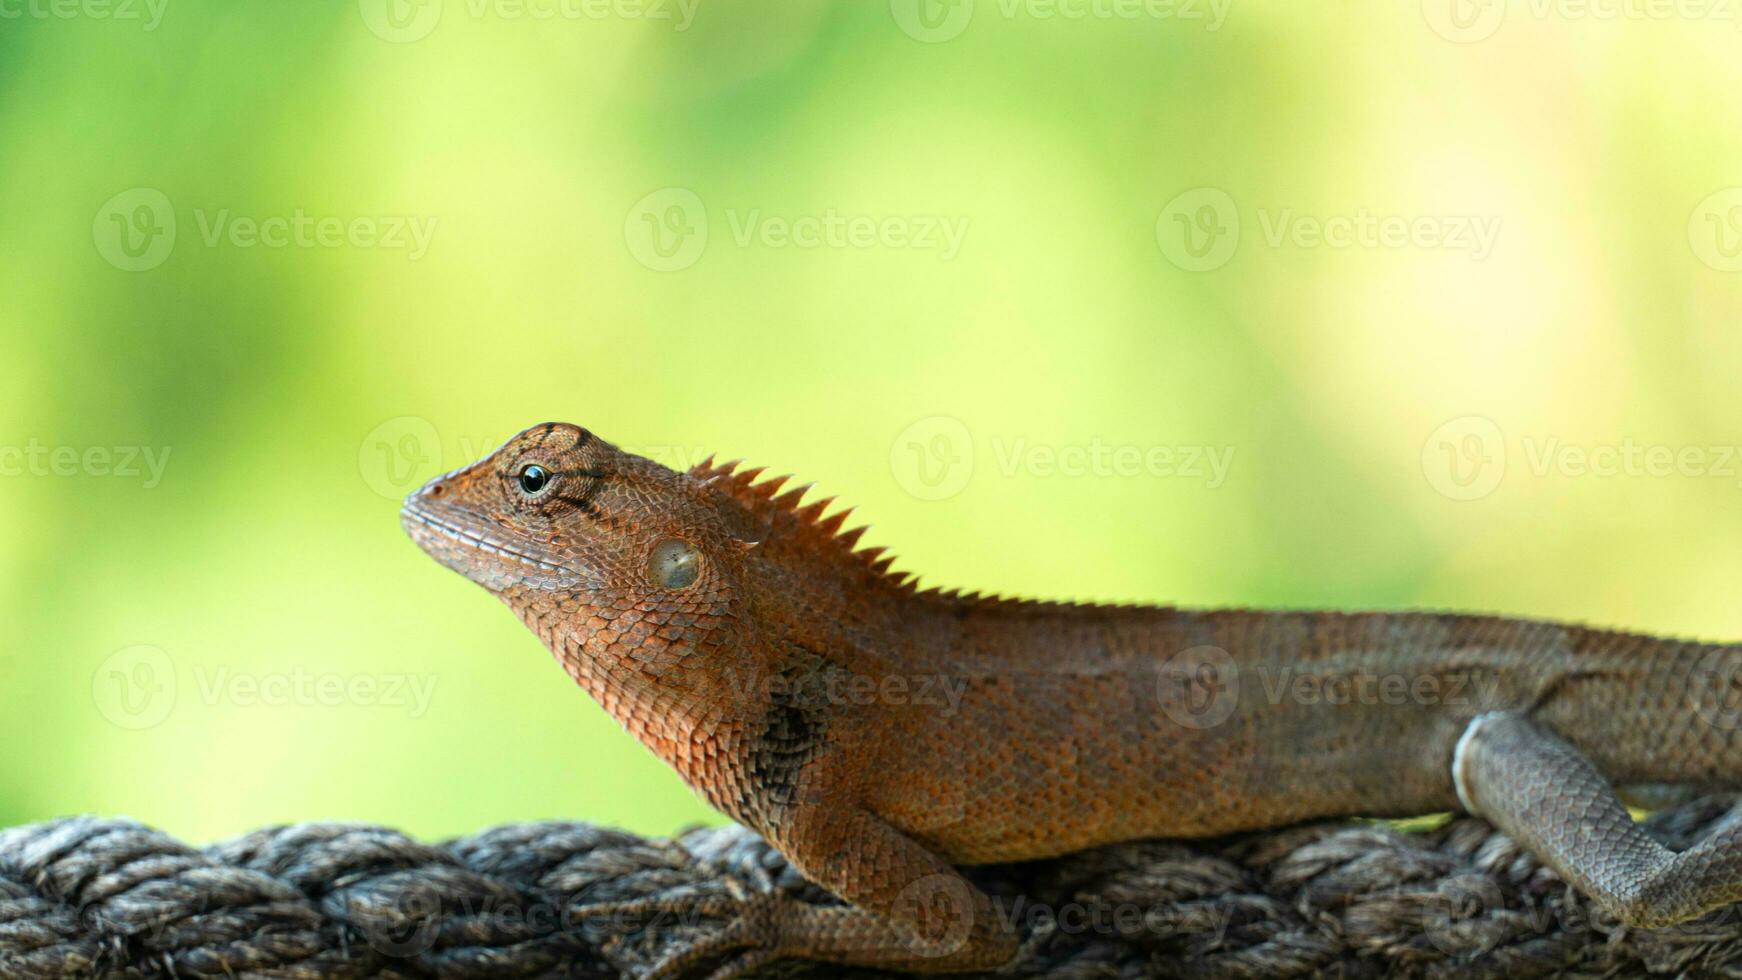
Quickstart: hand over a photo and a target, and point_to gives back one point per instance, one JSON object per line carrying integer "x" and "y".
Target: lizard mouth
{"x": 439, "y": 537}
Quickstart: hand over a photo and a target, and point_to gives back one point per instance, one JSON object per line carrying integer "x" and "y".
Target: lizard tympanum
{"x": 879, "y": 735}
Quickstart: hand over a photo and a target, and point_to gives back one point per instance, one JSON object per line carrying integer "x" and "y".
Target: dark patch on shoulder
{"x": 794, "y": 727}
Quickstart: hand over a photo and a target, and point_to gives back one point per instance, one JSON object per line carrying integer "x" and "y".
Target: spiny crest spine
{"x": 739, "y": 481}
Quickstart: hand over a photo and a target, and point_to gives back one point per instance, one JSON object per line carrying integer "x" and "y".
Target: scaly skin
{"x": 878, "y": 735}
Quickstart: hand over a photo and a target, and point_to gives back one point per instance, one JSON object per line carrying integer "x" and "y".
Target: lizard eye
{"x": 674, "y": 564}
{"x": 534, "y": 478}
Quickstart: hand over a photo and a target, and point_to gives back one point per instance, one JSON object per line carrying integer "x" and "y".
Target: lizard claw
{"x": 752, "y": 926}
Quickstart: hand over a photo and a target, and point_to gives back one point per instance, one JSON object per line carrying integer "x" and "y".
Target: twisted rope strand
{"x": 89, "y": 897}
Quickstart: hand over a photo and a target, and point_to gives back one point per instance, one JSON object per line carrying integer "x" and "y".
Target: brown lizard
{"x": 879, "y": 735}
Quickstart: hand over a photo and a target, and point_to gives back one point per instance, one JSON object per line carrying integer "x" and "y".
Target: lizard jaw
{"x": 481, "y": 558}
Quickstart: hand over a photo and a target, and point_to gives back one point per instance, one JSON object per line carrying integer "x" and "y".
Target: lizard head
{"x": 619, "y": 563}
{"x": 558, "y": 513}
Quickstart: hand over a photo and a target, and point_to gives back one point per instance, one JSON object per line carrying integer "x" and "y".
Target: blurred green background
{"x": 995, "y": 274}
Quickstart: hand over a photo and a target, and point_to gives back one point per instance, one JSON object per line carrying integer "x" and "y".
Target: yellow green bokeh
{"x": 297, "y": 390}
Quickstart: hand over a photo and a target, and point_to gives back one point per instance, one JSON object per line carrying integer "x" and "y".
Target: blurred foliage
{"x": 299, "y": 389}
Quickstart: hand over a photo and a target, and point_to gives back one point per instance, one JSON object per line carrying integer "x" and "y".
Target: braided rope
{"x": 86, "y": 897}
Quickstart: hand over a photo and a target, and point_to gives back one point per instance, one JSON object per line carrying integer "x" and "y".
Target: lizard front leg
{"x": 907, "y": 908}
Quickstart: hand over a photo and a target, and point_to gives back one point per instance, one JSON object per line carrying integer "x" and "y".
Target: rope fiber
{"x": 89, "y": 897}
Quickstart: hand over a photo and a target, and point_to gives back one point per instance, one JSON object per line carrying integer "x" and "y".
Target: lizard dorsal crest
{"x": 799, "y": 525}
{"x": 784, "y": 516}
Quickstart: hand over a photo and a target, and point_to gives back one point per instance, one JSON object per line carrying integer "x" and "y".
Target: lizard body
{"x": 879, "y": 735}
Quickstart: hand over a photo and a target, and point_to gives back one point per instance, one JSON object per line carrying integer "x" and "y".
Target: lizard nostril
{"x": 437, "y": 490}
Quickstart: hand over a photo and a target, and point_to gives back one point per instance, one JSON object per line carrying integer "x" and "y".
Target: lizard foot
{"x": 752, "y": 929}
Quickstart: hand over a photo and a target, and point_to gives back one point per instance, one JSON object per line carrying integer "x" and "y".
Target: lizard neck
{"x": 849, "y": 618}
{"x": 664, "y": 679}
